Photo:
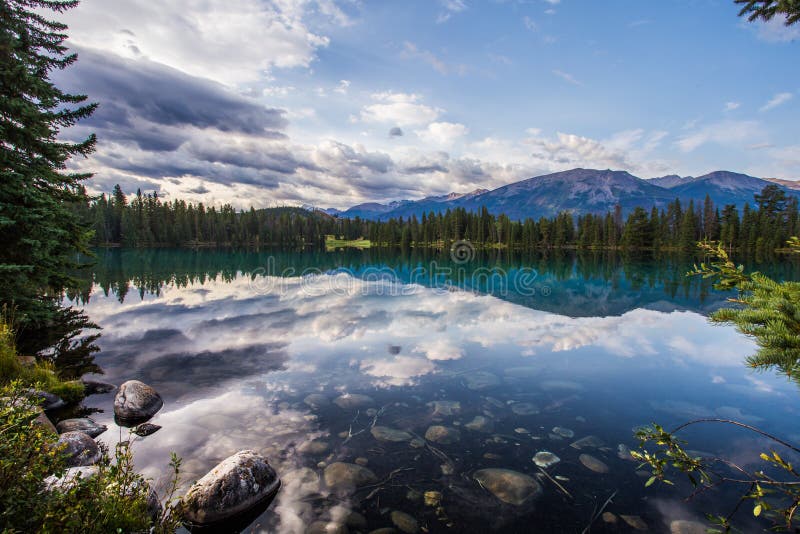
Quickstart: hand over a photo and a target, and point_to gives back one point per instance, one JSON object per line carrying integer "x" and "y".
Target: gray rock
{"x": 384, "y": 433}
{"x": 524, "y": 408}
{"x": 314, "y": 447}
{"x": 442, "y": 434}
{"x": 480, "y": 424}
{"x": 145, "y": 429}
{"x": 509, "y": 486}
{"x": 350, "y": 401}
{"x": 236, "y": 485}
{"x": 79, "y": 449}
{"x": 405, "y": 522}
{"x": 682, "y": 526}
{"x": 480, "y": 380}
{"x": 316, "y": 400}
{"x": 136, "y": 402}
{"x": 43, "y": 421}
{"x": 343, "y": 476}
{"x": 325, "y": 527}
{"x": 70, "y": 478}
{"x": 83, "y": 424}
{"x": 545, "y": 459}
{"x": 95, "y": 387}
{"x": 46, "y": 400}
{"x": 445, "y": 408}
{"x": 593, "y": 464}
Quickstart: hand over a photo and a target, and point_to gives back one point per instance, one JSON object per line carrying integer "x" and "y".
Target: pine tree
{"x": 40, "y": 233}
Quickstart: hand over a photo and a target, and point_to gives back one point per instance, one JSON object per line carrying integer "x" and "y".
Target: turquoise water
{"x": 235, "y": 342}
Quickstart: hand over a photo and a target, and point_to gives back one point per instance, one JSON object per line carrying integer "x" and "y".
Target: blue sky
{"x": 293, "y": 101}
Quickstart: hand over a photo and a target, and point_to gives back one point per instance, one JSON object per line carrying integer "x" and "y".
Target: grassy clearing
{"x": 331, "y": 242}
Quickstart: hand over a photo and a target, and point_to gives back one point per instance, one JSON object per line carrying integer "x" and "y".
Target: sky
{"x": 335, "y": 102}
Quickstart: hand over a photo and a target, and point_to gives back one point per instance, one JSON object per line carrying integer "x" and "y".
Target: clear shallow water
{"x": 611, "y": 346}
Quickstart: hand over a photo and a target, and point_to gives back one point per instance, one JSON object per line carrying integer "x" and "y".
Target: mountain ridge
{"x": 579, "y": 191}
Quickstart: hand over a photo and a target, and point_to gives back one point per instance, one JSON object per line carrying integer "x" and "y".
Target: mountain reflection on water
{"x": 236, "y": 355}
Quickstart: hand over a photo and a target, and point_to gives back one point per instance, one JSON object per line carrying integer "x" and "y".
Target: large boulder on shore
{"x": 235, "y": 486}
{"x": 79, "y": 449}
{"x": 81, "y": 424}
{"x": 136, "y": 402}
{"x": 71, "y": 477}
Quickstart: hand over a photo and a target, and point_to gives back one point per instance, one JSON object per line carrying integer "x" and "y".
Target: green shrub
{"x": 114, "y": 500}
{"x": 39, "y": 374}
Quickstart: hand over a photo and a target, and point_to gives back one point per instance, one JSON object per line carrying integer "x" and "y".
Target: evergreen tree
{"x": 41, "y": 233}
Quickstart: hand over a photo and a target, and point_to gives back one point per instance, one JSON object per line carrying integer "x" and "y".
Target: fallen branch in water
{"x": 559, "y": 486}
{"x": 599, "y": 512}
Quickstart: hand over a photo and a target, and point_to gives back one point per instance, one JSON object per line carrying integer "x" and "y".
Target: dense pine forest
{"x": 146, "y": 220}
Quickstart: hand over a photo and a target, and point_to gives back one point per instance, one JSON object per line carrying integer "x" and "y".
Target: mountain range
{"x": 579, "y": 191}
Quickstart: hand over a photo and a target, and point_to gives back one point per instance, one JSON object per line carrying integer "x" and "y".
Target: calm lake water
{"x": 236, "y": 342}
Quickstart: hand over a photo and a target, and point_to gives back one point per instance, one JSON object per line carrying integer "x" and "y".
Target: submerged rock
{"x": 145, "y": 429}
{"x": 524, "y": 408}
{"x": 624, "y": 453}
{"x": 593, "y": 464}
{"x": 610, "y": 518}
{"x": 384, "y": 433}
{"x": 340, "y": 475}
{"x": 432, "y": 498}
{"x": 325, "y": 527}
{"x": 235, "y": 486}
{"x": 350, "y": 401}
{"x": 404, "y": 522}
{"x": 445, "y": 408}
{"x": 79, "y": 449}
{"x": 480, "y": 424}
{"x": 682, "y": 526}
{"x": 442, "y": 434}
{"x": 635, "y": 521}
{"x": 563, "y": 432}
{"x": 480, "y": 380}
{"x": 83, "y": 424}
{"x": 589, "y": 442}
{"x": 545, "y": 459}
{"x": 300, "y": 482}
{"x": 316, "y": 400}
{"x": 95, "y": 387}
{"x": 509, "y": 486}
{"x": 314, "y": 447}
{"x": 136, "y": 402}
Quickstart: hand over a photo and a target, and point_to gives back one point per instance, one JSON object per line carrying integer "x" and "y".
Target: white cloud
{"x": 343, "y": 87}
{"x": 401, "y": 109}
{"x": 730, "y": 106}
{"x": 777, "y": 100}
{"x": 530, "y": 24}
{"x": 726, "y": 133}
{"x": 410, "y": 51}
{"x": 566, "y": 77}
{"x": 776, "y": 30}
{"x": 442, "y": 133}
{"x": 451, "y": 7}
{"x": 198, "y": 38}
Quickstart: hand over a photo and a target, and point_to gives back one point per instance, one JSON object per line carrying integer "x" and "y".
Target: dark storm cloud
{"x": 396, "y": 132}
{"x": 424, "y": 169}
{"x": 131, "y": 90}
{"x": 199, "y": 190}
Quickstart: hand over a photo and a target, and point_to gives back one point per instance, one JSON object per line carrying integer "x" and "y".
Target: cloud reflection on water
{"x": 226, "y": 359}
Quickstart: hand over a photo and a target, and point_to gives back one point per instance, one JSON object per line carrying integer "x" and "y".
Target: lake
{"x": 352, "y": 356}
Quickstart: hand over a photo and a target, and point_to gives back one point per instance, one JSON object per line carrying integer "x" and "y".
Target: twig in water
{"x": 559, "y": 486}
{"x": 599, "y": 512}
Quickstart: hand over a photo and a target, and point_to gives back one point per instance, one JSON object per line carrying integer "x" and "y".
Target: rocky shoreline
{"x": 239, "y": 485}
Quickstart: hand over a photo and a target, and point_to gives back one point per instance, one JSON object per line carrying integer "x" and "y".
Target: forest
{"x": 145, "y": 220}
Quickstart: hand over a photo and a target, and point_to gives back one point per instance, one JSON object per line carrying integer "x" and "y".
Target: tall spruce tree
{"x": 40, "y": 235}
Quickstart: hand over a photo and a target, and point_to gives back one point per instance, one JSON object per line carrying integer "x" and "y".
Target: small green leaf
{"x": 757, "y": 510}
{"x": 649, "y": 482}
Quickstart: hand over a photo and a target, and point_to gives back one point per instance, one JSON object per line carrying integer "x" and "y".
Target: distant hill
{"x": 579, "y": 191}
{"x": 723, "y": 187}
{"x": 671, "y": 180}
{"x": 788, "y": 184}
